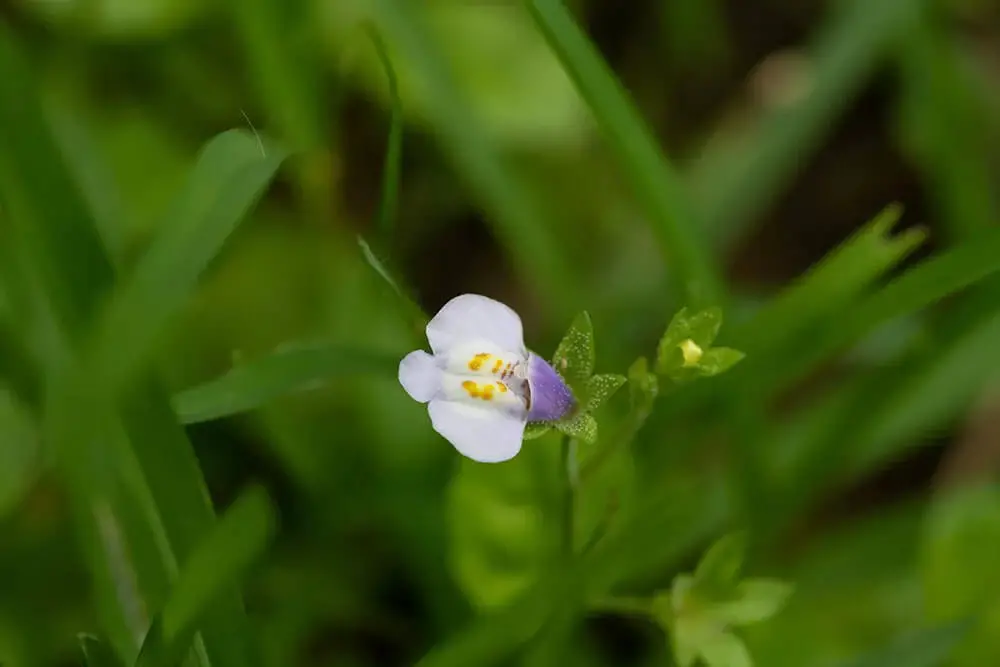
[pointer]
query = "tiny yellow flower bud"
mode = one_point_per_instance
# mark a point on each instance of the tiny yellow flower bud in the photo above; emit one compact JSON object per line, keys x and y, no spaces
{"x":692,"y":353}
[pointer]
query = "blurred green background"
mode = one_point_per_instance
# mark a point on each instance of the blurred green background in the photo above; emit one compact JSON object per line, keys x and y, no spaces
{"x":858,"y":442}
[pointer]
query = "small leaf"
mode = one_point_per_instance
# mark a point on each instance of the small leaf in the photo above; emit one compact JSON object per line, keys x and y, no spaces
{"x":643,"y":385}
{"x":755,"y":600}
{"x":97,"y":653}
{"x":719,"y":569}
{"x":237,"y":540}
{"x":536,"y":430}
{"x":701,"y":328}
{"x":602,"y":387}
{"x":686,"y":638}
{"x":574,"y":357}
{"x":583,"y":427}
{"x":719,"y":360}
{"x":725,"y":649}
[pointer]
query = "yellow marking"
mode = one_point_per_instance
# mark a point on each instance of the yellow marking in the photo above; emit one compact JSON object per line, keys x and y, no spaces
{"x":497,"y":365}
{"x":486,"y":393}
{"x":477,"y":361}
{"x":502,"y":387}
{"x":691,"y":353}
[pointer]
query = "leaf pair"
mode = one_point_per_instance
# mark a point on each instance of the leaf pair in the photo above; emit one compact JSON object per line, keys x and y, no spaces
{"x":574,"y":360}
{"x":700,"y":609}
{"x":685,"y":352}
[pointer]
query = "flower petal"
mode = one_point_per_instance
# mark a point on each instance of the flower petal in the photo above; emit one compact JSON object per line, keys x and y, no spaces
{"x":483,"y":434}
{"x":420,"y":376}
{"x":471,"y":317}
{"x":551,"y":399}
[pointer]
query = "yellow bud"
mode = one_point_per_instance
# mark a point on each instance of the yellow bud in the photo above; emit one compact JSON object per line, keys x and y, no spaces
{"x":692,"y":353}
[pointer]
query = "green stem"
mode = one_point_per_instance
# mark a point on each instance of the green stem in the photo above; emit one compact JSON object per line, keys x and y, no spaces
{"x":570,"y":470}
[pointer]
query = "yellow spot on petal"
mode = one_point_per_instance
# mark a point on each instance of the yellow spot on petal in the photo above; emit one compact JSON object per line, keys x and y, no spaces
{"x":477,"y":361}
{"x":497,"y":365}
{"x":487,"y":394}
{"x":502,"y":387}
{"x":692,"y":353}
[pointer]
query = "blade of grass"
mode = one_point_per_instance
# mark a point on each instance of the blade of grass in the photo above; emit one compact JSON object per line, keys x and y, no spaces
{"x":925,"y":647}
{"x":653,"y":178}
{"x":944,"y":119}
{"x":221,"y":560}
{"x":18,"y":368}
{"x":386,"y":217}
{"x":295,"y":368}
{"x":517,"y":218}
{"x":97,"y":653}
{"x":739,"y":180}
{"x":135,"y":489}
{"x":228,"y":178}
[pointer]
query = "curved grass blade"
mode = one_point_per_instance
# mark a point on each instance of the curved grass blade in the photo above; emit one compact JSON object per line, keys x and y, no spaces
{"x":388,"y":202}
{"x":517,"y":216}
{"x":97,"y":653}
{"x":296,"y":368}
{"x":736,"y":182}
{"x":228,"y":178}
{"x":222,"y":559}
{"x":652,"y":177}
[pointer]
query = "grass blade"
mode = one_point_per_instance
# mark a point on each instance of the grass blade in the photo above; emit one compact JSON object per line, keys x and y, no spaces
{"x":926,"y":647}
{"x":519,"y":222}
{"x":228,"y":178}
{"x":220,"y":561}
{"x":97,"y":653}
{"x":654,"y":180}
{"x":295,"y":368}
{"x":735,"y":185}
{"x":386,"y":217}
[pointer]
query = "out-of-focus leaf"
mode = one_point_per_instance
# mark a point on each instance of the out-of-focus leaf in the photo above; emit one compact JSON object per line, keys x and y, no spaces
{"x":651,"y":176}
{"x":519,"y":221}
{"x":97,"y":653}
{"x":536,"y":430}
{"x":391,"y":167}
{"x":575,"y":356}
{"x":719,"y":360}
{"x":503,"y":524}
{"x":18,"y":369}
{"x":222,"y":559}
{"x":582,"y":426}
{"x":20,"y":453}
{"x":738,"y":180}
{"x":926,"y":647}
{"x":754,"y":600}
{"x":530,"y":101}
{"x":602,"y":387}
{"x":228,"y":178}
{"x":121,"y":20}
{"x":293,"y":368}
{"x":719,"y":569}
{"x":724,"y":649}
{"x":958,"y":567}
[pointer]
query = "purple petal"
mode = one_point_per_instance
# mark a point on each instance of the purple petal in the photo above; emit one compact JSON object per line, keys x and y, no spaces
{"x":551,"y":399}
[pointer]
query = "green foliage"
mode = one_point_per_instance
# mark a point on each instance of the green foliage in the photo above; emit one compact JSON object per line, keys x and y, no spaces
{"x":685,"y":351}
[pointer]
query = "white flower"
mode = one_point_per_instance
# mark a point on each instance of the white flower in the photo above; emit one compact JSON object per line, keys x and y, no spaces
{"x":481,"y":384}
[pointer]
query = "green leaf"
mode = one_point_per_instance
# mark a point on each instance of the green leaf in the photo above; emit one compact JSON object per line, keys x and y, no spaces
{"x":701,"y":328}
{"x":414,"y":313}
{"x":392,"y":165}
{"x":925,"y":647}
{"x":520,"y":223}
{"x":755,"y":600}
{"x":719,"y":569}
{"x":654,"y":180}
{"x":229,"y":176}
{"x":574,"y":357}
{"x":724,"y":649}
{"x":738,"y":178}
{"x":602,"y":387}
{"x":296,"y":367}
{"x":536,"y":430}
{"x":581,"y":426}
{"x":223,"y":558}
{"x":687,"y":635}
{"x":97,"y":653}
{"x":718,"y":360}
{"x":502,"y":525}
{"x":958,"y":567}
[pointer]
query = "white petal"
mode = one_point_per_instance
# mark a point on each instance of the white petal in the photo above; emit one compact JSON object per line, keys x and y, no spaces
{"x":420,"y":376}
{"x":483,"y":434}
{"x":471,"y":317}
